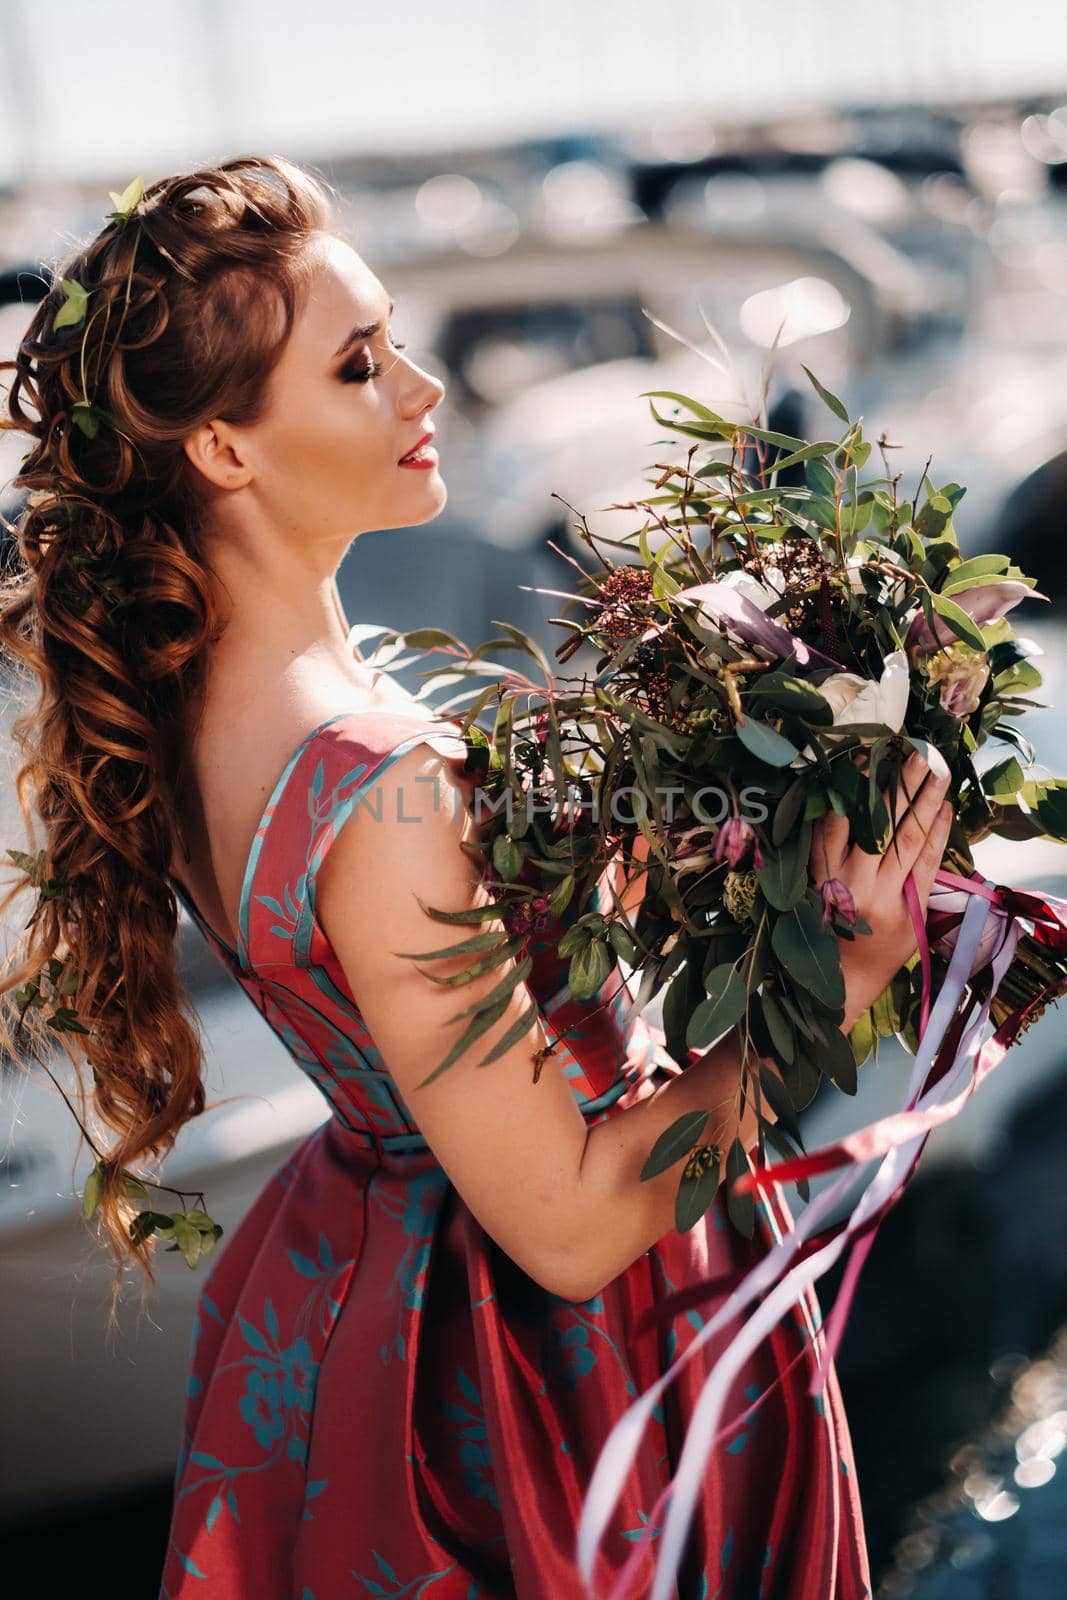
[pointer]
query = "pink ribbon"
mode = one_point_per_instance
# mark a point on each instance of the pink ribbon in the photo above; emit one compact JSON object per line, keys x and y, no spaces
{"x":948,"y":1043}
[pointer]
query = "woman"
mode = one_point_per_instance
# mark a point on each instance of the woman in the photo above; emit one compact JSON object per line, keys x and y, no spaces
{"x":409,"y":1353}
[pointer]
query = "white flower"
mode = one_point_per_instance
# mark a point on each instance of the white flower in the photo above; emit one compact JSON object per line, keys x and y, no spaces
{"x":855,"y":699}
{"x":867,"y":552}
{"x":761,"y":594}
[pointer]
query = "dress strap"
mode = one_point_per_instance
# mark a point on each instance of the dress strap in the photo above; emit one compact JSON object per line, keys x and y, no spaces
{"x":329,"y":778}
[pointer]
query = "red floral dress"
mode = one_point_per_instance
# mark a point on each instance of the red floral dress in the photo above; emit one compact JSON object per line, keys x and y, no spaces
{"x":380,"y":1402}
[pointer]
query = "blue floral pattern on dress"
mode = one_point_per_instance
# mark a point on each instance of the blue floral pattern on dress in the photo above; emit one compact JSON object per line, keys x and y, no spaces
{"x":349,"y":1412}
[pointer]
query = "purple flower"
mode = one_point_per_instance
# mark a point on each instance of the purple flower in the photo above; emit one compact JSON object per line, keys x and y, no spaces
{"x":733,"y":841}
{"x":837,"y":897}
{"x":724,"y":604}
{"x":985,"y":603}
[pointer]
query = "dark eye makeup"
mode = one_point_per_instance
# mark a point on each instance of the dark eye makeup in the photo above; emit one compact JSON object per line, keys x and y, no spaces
{"x":360,"y":374}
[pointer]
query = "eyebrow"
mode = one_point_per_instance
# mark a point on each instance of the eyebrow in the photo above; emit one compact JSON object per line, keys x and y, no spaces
{"x":367,"y":331}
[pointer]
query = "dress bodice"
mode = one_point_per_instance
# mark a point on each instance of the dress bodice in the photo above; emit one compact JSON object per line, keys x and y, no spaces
{"x":286,"y":965}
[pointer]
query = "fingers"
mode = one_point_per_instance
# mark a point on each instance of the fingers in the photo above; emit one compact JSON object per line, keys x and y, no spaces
{"x":924,"y":867}
{"x":915,"y":811}
{"x":829,"y":846}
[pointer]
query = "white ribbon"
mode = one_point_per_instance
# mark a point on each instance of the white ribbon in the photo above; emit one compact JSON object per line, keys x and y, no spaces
{"x":617,"y":1456}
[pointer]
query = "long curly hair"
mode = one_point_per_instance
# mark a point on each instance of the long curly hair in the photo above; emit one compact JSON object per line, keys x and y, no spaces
{"x":107,"y":608}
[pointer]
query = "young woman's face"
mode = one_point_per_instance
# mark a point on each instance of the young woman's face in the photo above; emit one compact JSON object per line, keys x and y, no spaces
{"x":342,"y":407}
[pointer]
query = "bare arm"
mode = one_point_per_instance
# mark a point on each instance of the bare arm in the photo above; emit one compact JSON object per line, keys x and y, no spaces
{"x":565,"y":1202}
{"x":633,"y":1214}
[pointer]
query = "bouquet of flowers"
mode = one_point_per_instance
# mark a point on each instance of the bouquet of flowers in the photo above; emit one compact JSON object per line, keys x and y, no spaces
{"x":762,"y":651}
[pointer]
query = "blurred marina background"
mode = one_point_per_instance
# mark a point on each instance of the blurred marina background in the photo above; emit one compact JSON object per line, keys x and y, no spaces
{"x":560,"y":199}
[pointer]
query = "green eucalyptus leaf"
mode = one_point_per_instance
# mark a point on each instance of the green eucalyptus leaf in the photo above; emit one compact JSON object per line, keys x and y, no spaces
{"x":831,"y":400}
{"x":200,"y":1220}
{"x":480,"y":941}
{"x":820,"y":479}
{"x":815,"y":805}
{"x":765,"y":743}
{"x":142,"y":1226}
{"x":507,"y":857}
{"x":189,"y":1240}
{"x":792,"y":696}
{"x":673,"y":1143}
{"x":694,"y":406}
{"x":979,"y":569}
{"x":820,"y":449}
{"x":472,"y":914}
{"x":809,"y":952}
{"x":518,"y":1030}
{"x":783,"y":876}
{"x":502,"y":990}
{"x":85,"y":417}
{"x":727,"y":998}
{"x":589,"y":968}
{"x":837,"y":1061}
{"x":560,"y":898}
{"x":428,"y":639}
{"x":1006,"y":778}
{"x":789,"y":810}
{"x":64,"y":1020}
{"x":684,"y":991}
{"x":522,"y":641}
{"x":776,"y":1094}
{"x":478,"y":1025}
{"x":1051,"y":809}
{"x":697,"y":1187}
{"x":485,"y":963}
{"x":778,"y":1026}
{"x":802,"y":1078}
{"x":741,"y":1207}
{"x":863,"y":1038}
{"x":777,"y":1137}
{"x":1018,"y":678}
{"x":622,"y":943}
{"x":958,"y":620}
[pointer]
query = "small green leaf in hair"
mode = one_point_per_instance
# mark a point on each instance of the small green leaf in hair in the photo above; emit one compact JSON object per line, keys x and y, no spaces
{"x":127,"y":202}
{"x":72,"y":311}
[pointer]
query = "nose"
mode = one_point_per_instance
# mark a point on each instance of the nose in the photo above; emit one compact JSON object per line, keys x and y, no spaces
{"x":429,"y":391}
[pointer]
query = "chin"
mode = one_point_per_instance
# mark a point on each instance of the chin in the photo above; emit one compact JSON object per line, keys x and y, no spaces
{"x":437,"y":497}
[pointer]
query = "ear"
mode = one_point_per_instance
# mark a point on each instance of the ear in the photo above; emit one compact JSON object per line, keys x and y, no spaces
{"x":217,"y":451}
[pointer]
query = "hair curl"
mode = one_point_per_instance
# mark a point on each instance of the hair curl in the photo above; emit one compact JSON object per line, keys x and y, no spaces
{"x":107,"y":609}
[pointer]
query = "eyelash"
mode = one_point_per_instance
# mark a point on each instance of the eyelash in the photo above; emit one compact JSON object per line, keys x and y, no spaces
{"x":375,"y":370}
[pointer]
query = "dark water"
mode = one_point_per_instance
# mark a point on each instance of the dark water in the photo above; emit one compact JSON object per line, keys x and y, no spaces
{"x":954,"y":1371}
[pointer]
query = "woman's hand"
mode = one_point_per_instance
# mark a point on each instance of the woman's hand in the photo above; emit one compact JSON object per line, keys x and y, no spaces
{"x":869,"y":962}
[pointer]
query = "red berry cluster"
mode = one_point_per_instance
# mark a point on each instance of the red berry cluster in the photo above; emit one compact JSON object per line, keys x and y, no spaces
{"x":519,"y":920}
{"x":528,"y":918}
{"x":624,"y":592}
{"x":801,"y":562}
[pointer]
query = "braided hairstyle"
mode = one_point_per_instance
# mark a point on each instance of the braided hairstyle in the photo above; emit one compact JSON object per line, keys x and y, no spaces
{"x":175,"y":313}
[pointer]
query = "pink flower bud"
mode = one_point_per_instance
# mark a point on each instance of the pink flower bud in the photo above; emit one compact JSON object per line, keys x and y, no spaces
{"x":984,"y":603}
{"x":837,"y":896}
{"x":734,"y":840}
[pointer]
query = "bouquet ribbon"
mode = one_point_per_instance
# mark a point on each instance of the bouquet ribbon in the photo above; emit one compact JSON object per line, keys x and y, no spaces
{"x":981,"y":924}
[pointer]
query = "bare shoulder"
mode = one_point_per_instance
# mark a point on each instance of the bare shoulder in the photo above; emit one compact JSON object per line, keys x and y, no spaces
{"x":412,"y":835}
